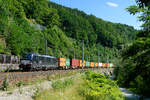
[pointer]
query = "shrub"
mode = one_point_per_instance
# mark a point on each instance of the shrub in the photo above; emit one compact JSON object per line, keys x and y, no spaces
{"x":99,"y":87}
{"x":37,"y":93}
{"x":58,"y":85}
{"x":19,"y":84}
{"x":5,"y":84}
{"x":62,"y":84}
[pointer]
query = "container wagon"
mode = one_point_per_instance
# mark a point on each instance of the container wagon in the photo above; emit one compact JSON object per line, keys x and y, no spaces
{"x":82,"y":65}
{"x":75,"y":63}
{"x":9,"y":62}
{"x":96,"y":64}
{"x":62,"y":63}
{"x":91,"y":64}
{"x":87,"y":64}
{"x":111,"y":65}
{"x":67,"y":63}
{"x":99,"y":64}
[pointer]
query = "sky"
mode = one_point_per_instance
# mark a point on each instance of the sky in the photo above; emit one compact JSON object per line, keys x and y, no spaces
{"x":109,"y":10}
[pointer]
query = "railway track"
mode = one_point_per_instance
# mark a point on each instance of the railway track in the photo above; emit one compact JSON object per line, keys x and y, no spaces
{"x":15,"y":77}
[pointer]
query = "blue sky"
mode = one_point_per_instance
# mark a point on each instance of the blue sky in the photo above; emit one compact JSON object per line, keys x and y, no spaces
{"x":109,"y":10}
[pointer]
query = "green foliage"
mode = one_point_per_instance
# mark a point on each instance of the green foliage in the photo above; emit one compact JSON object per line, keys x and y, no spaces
{"x":62,"y":84}
{"x":19,"y":84}
{"x":134,"y":68}
{"x":2,"y":46}
{"x":133,"y":9}
{"x":37,"y":93}
{"x":5,"y":85}
{"x":64,"y":29}
{"x":99,"y":87}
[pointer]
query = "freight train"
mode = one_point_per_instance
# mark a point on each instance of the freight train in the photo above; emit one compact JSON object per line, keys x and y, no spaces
{"x":43,"y":62}
{"x":33,"y":61}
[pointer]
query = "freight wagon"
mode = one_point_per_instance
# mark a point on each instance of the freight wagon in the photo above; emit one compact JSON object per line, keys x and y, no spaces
{"x":96,"y":64}
{"x":99,"y":64}
{"x":87,"y":65}
{"x":67,"y":63}
{"x":63,"y":63}
{"x":91,"y":64}
{"x":9,"y":62}
{"x":75,"y":63}
{"x":82,"y":65}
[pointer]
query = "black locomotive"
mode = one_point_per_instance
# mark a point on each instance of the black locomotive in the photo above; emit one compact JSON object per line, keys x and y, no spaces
{"x":38,"y":62}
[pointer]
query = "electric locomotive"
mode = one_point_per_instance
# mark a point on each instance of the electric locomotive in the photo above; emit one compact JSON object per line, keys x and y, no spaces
{"x":38,"y":62}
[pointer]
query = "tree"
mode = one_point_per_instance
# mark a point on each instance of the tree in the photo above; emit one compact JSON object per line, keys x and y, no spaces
{"x":143,"y":3}
{"x":136,"y":57}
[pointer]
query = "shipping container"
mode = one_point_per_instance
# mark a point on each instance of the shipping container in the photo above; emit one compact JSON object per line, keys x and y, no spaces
{"x":68,"y":62}
{"x":87,"y":64}
{"x":99,"y":64}
{"x":111,"y":65}
{"x":91,"y":64}
{"x":107,"y":65}
{"x":103,"y":65}
{"x":75,"y":63}
{"x":96,"y":64}
{"x":61,"y":62}
{"x":82,"y":64}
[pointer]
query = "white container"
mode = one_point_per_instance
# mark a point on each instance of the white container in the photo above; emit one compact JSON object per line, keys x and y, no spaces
{"x":99,"y":64}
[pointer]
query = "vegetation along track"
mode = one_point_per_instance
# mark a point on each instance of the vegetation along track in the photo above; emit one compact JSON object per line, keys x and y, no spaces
{"x":15,"y":77}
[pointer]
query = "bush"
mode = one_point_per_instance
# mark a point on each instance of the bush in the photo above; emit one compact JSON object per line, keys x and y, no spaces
{"x":99,"y":87}
{"x":62,"y":84}
{"x":5,"y":84}
{"x":37,"y":93}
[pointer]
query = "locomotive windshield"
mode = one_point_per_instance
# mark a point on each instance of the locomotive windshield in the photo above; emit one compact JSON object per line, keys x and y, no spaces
{"x":27,"y":57}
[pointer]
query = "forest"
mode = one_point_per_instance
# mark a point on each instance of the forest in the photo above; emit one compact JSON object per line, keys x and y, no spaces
{"x":26,"y":24}
{"x":133,"y":69}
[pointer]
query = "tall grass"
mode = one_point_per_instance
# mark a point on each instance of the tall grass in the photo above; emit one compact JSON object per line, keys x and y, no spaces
{"x":5,"y":85}
{"x":90,"y":86}
{"x":62,"y":84}
{"x":62,"y":90}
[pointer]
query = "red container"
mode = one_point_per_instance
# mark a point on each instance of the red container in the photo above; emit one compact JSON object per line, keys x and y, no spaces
{"x":106,"y":65}
{"x":75,"y":63}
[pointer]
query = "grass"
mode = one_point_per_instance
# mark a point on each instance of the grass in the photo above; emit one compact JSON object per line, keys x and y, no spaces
{"x":9,"y":87}
{"x":90,"y":86}
{"x":62,"y":90}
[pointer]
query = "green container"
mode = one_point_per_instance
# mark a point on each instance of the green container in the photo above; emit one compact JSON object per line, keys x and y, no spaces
{"x":67,"y":62}
{"x":94,"y":64}
{"x":111,"y":65}
{"x":87,"y":64}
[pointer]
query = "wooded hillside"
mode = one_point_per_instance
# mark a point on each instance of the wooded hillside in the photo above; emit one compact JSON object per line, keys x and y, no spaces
{"x":64,"y":29}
